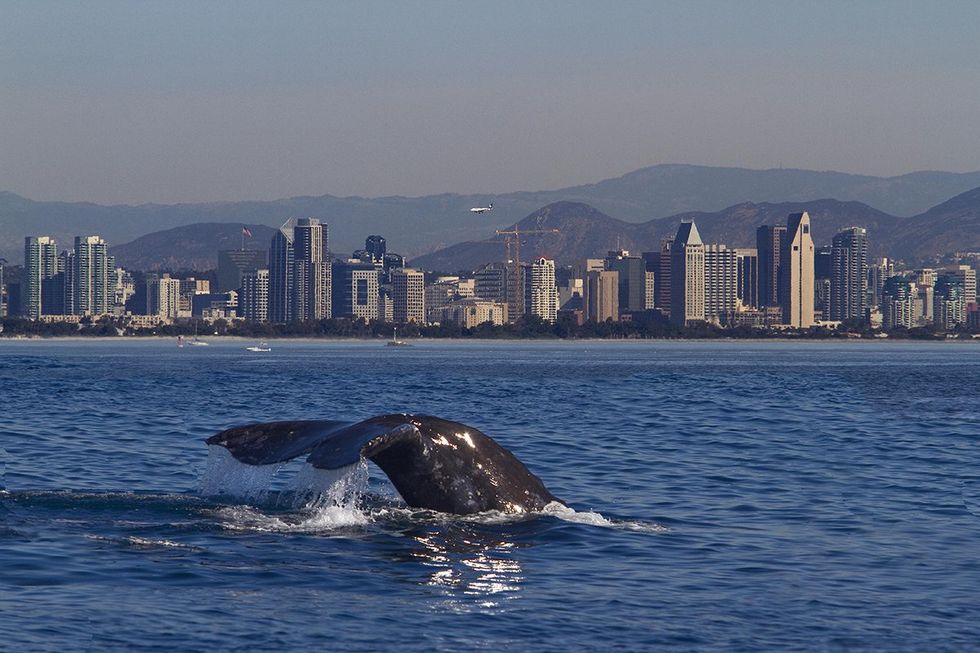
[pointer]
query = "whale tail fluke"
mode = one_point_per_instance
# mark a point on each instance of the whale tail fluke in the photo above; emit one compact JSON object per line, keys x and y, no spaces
{"x":433,"y":463}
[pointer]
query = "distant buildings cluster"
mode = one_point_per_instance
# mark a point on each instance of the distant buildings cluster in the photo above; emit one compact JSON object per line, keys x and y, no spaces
{"x":784,"y":282}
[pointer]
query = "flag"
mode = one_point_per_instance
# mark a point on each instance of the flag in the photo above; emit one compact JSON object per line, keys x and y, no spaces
{"x":246,"y":232}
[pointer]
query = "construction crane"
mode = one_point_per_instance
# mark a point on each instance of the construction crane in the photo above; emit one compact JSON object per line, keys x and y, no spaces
{"x":512,"y":246}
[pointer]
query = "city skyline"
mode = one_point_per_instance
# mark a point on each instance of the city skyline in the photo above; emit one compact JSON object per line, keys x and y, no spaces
{"x":301,"y":280}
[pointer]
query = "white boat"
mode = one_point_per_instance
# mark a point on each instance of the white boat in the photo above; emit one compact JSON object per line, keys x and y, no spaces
{"x":197,"y":343}
{"x":259,"y":347}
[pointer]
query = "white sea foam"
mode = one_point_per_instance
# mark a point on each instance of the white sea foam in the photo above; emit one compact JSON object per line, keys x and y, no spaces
{"x":327,"y":518}
{"x":225,"y":476}
{"x":591,"y":518}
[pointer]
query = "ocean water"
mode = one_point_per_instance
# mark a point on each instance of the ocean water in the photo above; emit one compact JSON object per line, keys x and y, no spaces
{"x":724,"y":496}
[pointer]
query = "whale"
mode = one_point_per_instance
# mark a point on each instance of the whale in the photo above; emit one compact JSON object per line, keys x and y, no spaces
{"x":433,"y":463}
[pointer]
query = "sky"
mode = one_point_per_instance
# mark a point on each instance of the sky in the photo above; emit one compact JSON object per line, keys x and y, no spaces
{"x":188,"y":101}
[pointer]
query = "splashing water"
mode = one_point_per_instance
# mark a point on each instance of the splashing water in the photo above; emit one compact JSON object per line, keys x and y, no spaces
{"x":321,"y":488}
{"x":324,"y":499}
{"x":225,"y":476}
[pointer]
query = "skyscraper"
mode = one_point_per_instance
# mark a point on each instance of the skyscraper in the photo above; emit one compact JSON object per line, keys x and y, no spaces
{"x":968,"y":279}
{"x":90,"y":285}
{"x":898,"y":302}
{"x":720,"y":283}
{"x":601,"y":296}
{"x":796,"y":270}
{"x":687,"y":276}
{"x":408,"y":295}
{"x":299,"y":272}
{"x":849,"y":274}
{"x":878,"y":271}
{"x":40,"y":263}
{"x":949,"y":307}
{"x":661,"y":280}
{"x":491,"y":282}
{"x":748,"y":276}
{"x":377,"y":248}
{"x":769,"y":247}
{"x":355,"y":290}
{"x":163,"y":296}
{"x":632,"y":279}
{"x":254,"y":300}
{"x":541,"y":292}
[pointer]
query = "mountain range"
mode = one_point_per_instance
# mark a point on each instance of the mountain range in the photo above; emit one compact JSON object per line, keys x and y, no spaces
{"x":586,"y":232}
{"x":420,"y":225}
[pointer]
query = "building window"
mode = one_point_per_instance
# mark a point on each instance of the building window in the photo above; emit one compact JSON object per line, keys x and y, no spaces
{"x":362,"y":292}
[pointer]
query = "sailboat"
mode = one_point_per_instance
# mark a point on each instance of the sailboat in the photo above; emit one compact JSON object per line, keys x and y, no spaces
{"x":395,"y":342}
{"x":197,"y":342}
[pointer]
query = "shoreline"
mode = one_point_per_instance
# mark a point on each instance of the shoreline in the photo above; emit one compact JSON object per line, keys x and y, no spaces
{"x":419,"y":341}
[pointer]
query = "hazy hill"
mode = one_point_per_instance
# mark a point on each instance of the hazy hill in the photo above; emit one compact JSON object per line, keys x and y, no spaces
{"x":192,"y":247}
{"x":418,"y":225}
{"x":951,"y":226}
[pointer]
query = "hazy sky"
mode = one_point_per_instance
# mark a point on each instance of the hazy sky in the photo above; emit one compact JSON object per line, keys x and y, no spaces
{"x":177,"y":101}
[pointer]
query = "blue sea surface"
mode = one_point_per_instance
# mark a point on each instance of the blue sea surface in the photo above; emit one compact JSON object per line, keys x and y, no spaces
{"x":727,"y":496}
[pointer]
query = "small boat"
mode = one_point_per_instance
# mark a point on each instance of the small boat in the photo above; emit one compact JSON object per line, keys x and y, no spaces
{"x":259,"y":347}
{"x":395,"y":342}
{"x":197,"y":343}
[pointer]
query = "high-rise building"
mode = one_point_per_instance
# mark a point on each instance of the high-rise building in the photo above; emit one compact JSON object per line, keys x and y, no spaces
{"x":299,"y":272}
{"x":849,"y":274}
{"x":254,"y":301}
{"x":377,"y":248}
{"x":601,"y":295}
{"x":747,"y":291}
{"x":541,"y":291}
{"x":967,"y":277}
{"x":769,"y":248}
{"x":57,"y":296}
{"x":312,"y":270}
{"x":898,"y":302}
{"x":40,"y":263}
{"x":880,"y":270}
{"x":281,"y":308}
{"x":662,"y":281}
{"x":796,"y":270}
{"x":822,"y":257}
{"x":163,"y":296}
{"x":123,"y":287}
{"x":91,"y":283}
{"x":408,"y":295}
{"x":3,"y":291}
{"x":632,"y":279}
{"x":720,"y":283}
{"x":491,"y":282}
{"x":687,"y":276}
{"x":235,"y":263}
{"x":949,"y":307}
{"x":355,"y":290}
